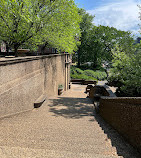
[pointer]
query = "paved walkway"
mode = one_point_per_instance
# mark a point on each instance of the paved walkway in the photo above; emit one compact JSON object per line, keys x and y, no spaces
{"x":63,"y":127}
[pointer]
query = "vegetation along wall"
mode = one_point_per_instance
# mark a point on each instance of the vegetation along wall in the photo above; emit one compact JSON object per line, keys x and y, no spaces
{"x":24,"y":80}
{"x":124,"y":114}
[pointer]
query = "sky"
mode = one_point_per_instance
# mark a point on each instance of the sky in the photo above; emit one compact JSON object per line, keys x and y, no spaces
{"x":121,"y":14}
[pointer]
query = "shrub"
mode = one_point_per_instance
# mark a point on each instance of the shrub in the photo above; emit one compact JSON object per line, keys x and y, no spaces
{"x":79,"y":71}
{"x":100,"y":75}
{"x":60,"y":86}
{"x":82,"y":76}
{"x":126,"y":73}
{"x":73,"y":70}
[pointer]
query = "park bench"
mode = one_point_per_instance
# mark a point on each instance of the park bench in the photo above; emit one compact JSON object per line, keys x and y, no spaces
{"x":88,"y":82}
{"x":77,"y":81}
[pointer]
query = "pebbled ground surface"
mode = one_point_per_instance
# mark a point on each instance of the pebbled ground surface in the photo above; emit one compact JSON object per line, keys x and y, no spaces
{"x":63,"y":127}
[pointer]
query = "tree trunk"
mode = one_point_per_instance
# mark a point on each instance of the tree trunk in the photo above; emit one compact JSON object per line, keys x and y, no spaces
{"x":7,"y":50}
{"x":95,"y":59}
{"x":94,"y":65}
{"x":106,"y":72}
{"x":78,"y":64}
{"x":95,"y":62}
{"x":43,"y":47}
{"x":16,"y":50}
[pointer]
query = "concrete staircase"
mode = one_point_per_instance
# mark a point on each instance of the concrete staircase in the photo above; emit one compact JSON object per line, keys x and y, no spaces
{"x":17,"y":152}
{"x":63,"y":127}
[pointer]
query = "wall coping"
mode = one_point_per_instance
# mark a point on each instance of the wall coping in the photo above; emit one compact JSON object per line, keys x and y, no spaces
{"x":8,"y":61}
{"x":123,"y":100}
{"x":116,"y":98}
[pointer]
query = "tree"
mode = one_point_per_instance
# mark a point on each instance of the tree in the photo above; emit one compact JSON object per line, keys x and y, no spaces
{"x":102,"y":40}
{"x":85,"y":26}
{"x":28,"y":21}
{"x":98,"y":41}
{"x":126,"y":72}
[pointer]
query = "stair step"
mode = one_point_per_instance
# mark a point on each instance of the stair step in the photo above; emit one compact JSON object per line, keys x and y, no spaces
{"x":18,"y":152}
{"x":77,"y":147}
{"x":40,"y":101}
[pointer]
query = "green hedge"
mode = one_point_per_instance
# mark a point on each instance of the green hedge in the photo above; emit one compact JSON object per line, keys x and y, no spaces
{"x":82,"y":76}
{"x":99,"y":75}
{"x":77,"y":73}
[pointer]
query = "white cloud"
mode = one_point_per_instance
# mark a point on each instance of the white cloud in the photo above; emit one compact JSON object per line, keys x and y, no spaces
{"x":123,"y":15}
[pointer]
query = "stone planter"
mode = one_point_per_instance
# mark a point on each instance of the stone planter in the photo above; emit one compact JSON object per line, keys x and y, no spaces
{"x":22,"y":52}
{"x":69,"y":85}
{"x":60,"y":91}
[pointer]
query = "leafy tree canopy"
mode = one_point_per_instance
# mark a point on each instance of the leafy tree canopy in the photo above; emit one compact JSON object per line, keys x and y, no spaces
{"x":98,"y":41}
{"x":126,"y":72}
{"x":102,"y":40}
{"x":36,"y":22}
{"x":85,"y":26}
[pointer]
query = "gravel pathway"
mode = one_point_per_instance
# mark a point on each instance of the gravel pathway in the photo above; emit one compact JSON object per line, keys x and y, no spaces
{"x":63,"y":127}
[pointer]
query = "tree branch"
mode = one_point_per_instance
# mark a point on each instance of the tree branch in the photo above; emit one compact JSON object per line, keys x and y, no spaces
{"x":5,"y":22}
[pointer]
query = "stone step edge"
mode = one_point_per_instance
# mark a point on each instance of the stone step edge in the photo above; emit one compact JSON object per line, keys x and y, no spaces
{"x":40,"y":101}
{"x":10,"y":151}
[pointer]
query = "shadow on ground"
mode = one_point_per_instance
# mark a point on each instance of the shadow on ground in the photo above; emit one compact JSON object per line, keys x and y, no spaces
{"x":123,"y":148}
{"x":71,"y":107}
{"x":76,"y":108}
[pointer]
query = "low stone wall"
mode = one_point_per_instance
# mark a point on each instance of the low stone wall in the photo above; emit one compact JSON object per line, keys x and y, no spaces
{"x":23,"y":80}
{"x":124,"y":114}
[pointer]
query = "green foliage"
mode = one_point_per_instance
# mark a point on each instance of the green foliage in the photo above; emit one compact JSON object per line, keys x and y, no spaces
{"x":85,"y":26}
{"x":77,"y":73}
{"x":99,"y":75}
{"x":103,"y":40}
{"x":37,"y":22}
{"x":97,"y":42}
{"x":126,"y":72}
{"x":60,"y":86}
{"x":75,"y":70}
{"x":82,"y":76}
{"x":72,"y":70}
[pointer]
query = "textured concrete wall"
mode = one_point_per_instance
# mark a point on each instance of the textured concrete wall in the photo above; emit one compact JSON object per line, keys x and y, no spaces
{"x":124,"y":114}
{"x":23,"y":80}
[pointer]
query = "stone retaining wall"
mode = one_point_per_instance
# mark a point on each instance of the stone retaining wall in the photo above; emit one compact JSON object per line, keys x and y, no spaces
{"x":124,"y":114}
{"x":23,"y":80}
